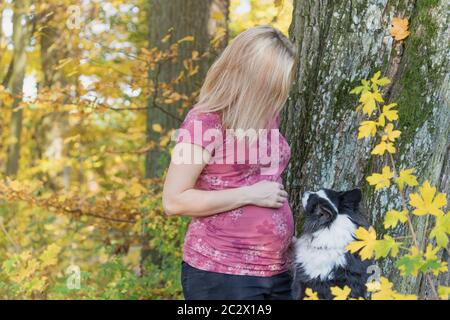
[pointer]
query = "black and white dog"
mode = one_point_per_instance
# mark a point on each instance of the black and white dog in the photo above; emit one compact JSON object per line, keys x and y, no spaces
{"x":321,"y":258}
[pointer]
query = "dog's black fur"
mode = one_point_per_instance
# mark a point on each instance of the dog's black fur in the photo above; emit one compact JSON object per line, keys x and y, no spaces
{"x":322,"y":210}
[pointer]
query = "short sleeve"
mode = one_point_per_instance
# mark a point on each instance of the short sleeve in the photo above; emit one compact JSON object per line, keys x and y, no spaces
{"x":201,"y":128}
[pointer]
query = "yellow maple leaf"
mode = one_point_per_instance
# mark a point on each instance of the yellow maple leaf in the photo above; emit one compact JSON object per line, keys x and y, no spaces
{"x":390,"y":114}
{"x":386,"y":246}
{"x":340,"y":294}
{"x":381,"y":180}
{"x":390,"y":134}
{"x":430,"y":255}
{"x":373,"y":286}
{"x":377,"y":81}
{"x":406,"y":177}
{"x":393,"y":217}
{"x":399,"y":28}
{"x":384,"y":291}
{"x":367,"y":129}
{"x":369,"y":100}
{"x":366,"y":242}
{"x":441,"y":230}
{"x":382,"y":147}
{"x":310,"y":295}
{"x":425,"y":201}
{"x":444,"y":292}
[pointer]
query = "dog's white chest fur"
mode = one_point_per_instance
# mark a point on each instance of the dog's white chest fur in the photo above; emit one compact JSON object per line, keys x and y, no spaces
{"x":320,"y":252}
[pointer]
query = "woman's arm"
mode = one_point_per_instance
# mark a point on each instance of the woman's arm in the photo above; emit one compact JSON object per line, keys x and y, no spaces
{"x":180,"y":197}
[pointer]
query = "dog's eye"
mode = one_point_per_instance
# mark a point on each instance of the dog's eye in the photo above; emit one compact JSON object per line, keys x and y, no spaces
{"x":328,"y":211}
{"x":324,"y":211}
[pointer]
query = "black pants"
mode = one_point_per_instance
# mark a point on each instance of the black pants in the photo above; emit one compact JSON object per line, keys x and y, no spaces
{"x":205,"y":285}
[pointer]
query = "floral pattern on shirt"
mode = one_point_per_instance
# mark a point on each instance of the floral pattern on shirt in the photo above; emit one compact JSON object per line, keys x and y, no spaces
{"x":249,"y":240}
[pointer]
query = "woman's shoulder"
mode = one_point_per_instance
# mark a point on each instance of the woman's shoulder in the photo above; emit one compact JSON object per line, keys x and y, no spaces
{"x":199,"y":113}
{"x":195,"y":124}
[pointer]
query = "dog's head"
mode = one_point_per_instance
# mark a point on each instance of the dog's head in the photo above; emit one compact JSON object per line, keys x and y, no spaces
{"x":322,"y":208}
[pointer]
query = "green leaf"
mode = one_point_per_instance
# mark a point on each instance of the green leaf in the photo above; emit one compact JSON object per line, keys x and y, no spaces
{"x":440,"y":230}
{"x":432,"y":262}
{"x":386,"y":245}
{"x":410,"y":264}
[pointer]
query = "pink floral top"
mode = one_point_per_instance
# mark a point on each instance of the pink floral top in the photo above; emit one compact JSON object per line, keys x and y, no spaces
{"x":249,"y":240}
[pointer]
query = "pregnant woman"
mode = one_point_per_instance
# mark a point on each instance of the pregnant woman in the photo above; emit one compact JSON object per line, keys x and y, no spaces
{"x":226,"y":171}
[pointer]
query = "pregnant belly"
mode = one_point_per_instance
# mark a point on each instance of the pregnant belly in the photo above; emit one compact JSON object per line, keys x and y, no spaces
{"x":252,"y":227}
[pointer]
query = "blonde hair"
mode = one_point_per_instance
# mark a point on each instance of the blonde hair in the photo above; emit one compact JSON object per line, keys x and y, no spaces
{"x":250,"y":81}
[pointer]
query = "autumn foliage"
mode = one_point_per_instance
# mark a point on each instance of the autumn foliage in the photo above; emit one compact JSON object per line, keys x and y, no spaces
{"x":412,"y":258}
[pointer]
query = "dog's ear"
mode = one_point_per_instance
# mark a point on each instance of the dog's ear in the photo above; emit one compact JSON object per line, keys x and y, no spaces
{"x":351,"y":197}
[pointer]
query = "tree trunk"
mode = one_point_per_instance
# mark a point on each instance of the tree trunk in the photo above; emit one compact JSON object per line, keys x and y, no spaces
{"x":339,"y":43}
{"x":218,"y":22}
{"x":54,"y":49}
{"x":187,"y":18}
{"x":15,"y":83}
{"x":2,"y":45}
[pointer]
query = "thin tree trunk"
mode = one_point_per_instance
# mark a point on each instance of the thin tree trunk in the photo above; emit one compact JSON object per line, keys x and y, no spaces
{"x":54,"y":48}
{"x":218,"y":22}
{"x":15,"y":83}
{"x":183,"y":18}
{"x":339,"y":43}
{"x":2,"y":5}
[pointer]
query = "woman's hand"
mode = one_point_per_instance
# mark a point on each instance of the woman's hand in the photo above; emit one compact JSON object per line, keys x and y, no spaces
{"x":267,"y":194}
{"x":180,"y":197}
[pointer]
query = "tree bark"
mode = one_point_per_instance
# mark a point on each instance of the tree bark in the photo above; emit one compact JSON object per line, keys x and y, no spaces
{"x":218,"y":21}
{"x":15,"y":83}
{"x":2,"y":45}
{"x":54,"y":48}
{"x":183,"y":18}
{"x":339,"y":43}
